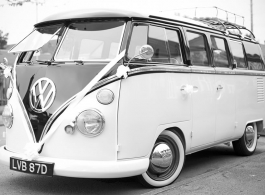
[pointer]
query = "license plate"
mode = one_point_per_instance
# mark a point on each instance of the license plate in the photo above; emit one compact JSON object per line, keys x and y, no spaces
{"x":33,"y":167}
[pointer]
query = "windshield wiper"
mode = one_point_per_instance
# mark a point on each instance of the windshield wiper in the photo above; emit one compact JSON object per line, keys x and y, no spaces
{"x":79,"y":62}
{"x":49,"y":62}
{"x":28,"y":62}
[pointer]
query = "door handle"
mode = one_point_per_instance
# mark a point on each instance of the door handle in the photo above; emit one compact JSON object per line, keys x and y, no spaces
{"x":219,"y":87}
{"x":188,"y":89}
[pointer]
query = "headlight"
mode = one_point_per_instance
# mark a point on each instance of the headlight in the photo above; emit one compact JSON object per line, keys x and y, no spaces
{"x":7,"y":116}
{"x":105,"y":96}
{"x":90,"y":123}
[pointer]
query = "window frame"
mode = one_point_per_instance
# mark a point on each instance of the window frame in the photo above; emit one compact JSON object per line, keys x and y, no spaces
{"x":207,"y":46}
{"x":246,"y":58}
{"x":244,"y":53}
{"x":227,"y":48}
{"x":67,"y":27}
{"x":180,"y":36}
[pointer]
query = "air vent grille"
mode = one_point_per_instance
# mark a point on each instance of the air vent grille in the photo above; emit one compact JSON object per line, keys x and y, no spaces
{"x":260,"y":90}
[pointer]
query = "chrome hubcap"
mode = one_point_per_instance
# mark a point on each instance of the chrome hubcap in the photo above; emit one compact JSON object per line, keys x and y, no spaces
{"x":250,"y":136}
{"x":161,"y":158}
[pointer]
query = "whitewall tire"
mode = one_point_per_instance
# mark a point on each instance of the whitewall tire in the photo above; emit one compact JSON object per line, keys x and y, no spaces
{"x":166,"y":160}
{"x":247,"y":144}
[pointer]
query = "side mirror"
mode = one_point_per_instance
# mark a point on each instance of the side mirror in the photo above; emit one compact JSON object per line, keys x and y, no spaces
{"x":146,"y":52}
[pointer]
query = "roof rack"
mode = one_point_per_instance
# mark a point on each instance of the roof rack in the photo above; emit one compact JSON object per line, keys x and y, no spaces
{"x":215,"y":22}
{"x":228,"y":27}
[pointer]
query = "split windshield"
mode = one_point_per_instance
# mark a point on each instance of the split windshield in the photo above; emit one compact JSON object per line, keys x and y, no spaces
{"x":43,"y":40}
{"x":91,"y":41}
{"x":83,"y":41}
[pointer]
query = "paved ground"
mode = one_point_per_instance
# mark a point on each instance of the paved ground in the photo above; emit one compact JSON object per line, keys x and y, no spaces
{"x":244,"y":177}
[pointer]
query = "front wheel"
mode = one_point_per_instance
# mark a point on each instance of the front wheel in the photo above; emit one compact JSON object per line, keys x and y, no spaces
{"x":247,"y":144}
{"x":166,"y":160}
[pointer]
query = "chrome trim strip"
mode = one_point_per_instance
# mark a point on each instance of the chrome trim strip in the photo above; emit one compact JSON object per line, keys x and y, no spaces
{"x":228,"y":72}
{"x":26,"y":117}
{"x":176,"y":69}
{"x":60,"y":43}
{"x":203,"y":71}
{"x":250,"y":73}
{"x":149,"y":69}
{"x":104,"y":82}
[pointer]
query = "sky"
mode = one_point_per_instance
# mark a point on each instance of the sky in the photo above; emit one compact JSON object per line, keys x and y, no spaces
{"x":18,"y":21}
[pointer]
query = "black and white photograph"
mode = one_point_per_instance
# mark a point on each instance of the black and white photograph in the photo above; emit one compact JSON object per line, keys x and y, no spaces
{"x":132,"y":97}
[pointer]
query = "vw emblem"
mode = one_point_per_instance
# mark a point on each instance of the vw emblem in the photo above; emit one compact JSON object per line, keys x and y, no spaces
{"x":42,"y":94}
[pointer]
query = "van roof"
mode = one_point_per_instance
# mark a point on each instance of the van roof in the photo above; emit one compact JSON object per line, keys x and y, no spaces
{"x":123,"y":13}
{"x":115,"y":13}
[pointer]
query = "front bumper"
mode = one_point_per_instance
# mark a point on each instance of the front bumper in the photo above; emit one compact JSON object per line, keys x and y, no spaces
{"x":87,"y":169}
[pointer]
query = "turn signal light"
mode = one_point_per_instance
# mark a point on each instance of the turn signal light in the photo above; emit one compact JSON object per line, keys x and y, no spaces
{"x":105,"y":96}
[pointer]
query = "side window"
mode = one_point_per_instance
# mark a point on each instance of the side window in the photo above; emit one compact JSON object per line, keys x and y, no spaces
{"x":220,"y":56}
{"x":253,"y":56}
{"x":238,"y":53}
{"x":198,"y":52}
{"x":174,"y":46}
{"x":157,"y":39}
{"x":27,"y":56}
{"x":138,"y":39}
{"x":165,"y":43}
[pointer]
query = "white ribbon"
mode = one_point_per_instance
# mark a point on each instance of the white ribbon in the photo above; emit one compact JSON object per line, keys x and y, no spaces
{"x":187,"y":90}
{"x":122,"y":71}
{"x":32,"y":149}
{"x":7,"y":72}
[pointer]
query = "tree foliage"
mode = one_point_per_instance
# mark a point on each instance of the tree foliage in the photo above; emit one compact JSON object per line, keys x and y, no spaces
{"x":3,"y":39}
{"x":21,"y":2}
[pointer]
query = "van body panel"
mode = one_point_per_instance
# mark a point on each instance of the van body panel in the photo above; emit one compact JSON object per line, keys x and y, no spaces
{"x":225,"y":85}
{"x":249,"y":99}
{"x":147,"y":101}
{"x":80,"y":147}
{"x":203,"y":106}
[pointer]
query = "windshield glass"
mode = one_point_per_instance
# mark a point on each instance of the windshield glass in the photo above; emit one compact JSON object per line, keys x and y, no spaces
{"x":45,"y":36}
{"x":88,"y":41}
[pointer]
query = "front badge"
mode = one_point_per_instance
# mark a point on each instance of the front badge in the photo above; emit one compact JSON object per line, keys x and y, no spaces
{"x":42,"y":94}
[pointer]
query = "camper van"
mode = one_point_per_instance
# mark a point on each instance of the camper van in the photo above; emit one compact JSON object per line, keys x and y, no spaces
{"x":117,"y":93}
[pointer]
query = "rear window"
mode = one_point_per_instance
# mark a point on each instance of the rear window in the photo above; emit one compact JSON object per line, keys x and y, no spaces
{"x":238,"y":53}
{"x":253,"y":54}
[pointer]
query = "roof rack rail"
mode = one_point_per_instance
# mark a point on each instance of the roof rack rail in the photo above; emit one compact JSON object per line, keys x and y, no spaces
{"x":215,"y":22}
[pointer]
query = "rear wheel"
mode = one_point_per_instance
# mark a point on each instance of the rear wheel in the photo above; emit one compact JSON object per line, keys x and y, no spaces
{"x":166,"y":160}
{"x":247,"y":144}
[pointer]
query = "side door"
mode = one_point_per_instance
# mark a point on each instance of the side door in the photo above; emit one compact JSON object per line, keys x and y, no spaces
{"x":151,"y":95}
{"x":203,"y":95}
{"x":225,"y":85}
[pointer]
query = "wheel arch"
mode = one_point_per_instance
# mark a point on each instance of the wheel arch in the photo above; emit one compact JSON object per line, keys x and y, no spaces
{"x":257,"y":124}
{"x":178,"y":131}
{"x":183,"y":129}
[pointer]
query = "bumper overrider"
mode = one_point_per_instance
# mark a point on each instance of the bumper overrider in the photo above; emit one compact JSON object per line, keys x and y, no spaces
{"x":86,"y":169}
